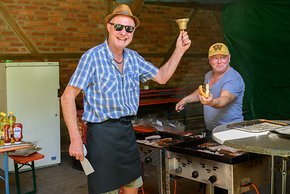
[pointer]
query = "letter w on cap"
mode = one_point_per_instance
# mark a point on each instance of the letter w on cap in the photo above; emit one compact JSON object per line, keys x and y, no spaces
{"x":217,"y":47}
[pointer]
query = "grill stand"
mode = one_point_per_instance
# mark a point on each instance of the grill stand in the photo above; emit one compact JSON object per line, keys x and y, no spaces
{"x":209,"y":189}
{"x":272,"y":144}
{"x":284,"y":175}
{"x":154,"y":156}
{"x":214,"y":173}
{"x":272,"y":174}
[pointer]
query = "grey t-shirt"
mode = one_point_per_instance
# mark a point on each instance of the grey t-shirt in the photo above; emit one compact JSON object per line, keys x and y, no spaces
{"x":234,"y":83}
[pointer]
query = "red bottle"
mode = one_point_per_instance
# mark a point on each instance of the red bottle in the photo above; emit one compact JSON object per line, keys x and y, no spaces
{"x":7,"y":139}
{"x":17,"y":133}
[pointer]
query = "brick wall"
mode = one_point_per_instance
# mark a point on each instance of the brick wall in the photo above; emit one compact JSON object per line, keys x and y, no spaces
{"x":61,"y":30}
{"x":73,"y":26}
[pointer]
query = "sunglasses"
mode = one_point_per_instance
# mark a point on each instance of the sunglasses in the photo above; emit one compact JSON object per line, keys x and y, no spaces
{"x":119,"y":27}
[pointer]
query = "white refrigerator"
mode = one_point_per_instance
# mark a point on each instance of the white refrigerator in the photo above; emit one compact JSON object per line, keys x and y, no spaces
{"x":30,"y":90}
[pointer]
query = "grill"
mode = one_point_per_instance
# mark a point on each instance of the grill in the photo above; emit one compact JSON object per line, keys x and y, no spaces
{"x":207,"y":162}
{"x":151,"y":148}
{"x":260,"y":136}
{"x":208,"y":149}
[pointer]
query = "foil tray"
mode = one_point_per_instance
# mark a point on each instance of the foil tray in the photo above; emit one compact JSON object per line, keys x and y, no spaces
{"x":25,"y":151}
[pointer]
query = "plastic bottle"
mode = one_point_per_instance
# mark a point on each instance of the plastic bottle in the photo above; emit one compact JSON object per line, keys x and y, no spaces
{"x":12,"y":121}
{"x":1,"y":129}
{"x":11,"y":118}
{"x":5,"y":127}
{"x":1,"y":117}
{"x":7,"y":139}
{"x":3,"y":121}
{"x":17,"y":131}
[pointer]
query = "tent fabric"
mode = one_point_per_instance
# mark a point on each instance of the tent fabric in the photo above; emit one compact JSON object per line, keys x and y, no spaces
{"x":258,"y":35}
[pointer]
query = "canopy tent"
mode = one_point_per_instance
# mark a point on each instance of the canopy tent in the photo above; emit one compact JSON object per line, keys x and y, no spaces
{"x":258,"y":35}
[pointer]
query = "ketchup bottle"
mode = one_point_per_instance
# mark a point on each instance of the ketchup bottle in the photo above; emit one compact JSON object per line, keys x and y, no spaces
{"x":17,"y":131}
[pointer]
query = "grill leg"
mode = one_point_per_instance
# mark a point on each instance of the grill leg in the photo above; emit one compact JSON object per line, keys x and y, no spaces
{"x":160,"y":171}
{"x":272,"y":174}
{"x":209,"y":189}
{"x":167,"y":174}
{"x":284,"y":175}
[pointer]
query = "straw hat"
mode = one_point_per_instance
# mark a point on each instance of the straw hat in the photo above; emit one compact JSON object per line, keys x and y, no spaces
{"x":122,"y":10}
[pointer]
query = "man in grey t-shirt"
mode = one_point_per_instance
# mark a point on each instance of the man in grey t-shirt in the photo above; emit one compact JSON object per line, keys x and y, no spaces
{"x":224,"y":104}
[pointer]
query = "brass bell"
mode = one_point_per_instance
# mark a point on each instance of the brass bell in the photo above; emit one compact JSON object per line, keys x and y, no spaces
{"x":182,"y":23}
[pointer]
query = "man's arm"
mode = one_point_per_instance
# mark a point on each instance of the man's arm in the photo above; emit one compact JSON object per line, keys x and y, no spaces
{"x":167,"y":70}
{"x":70,"y":117}
{"x":193,"y":97}
{"x":225,"y":99}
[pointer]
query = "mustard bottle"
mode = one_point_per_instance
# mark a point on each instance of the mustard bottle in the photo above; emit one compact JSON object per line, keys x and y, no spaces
{"x":5,"y":126}
{"x":1,"y":129}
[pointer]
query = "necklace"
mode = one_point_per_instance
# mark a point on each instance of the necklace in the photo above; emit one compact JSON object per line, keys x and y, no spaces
{"x":118,"y":61}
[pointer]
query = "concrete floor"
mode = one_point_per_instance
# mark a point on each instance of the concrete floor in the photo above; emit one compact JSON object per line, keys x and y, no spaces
{"x":66,"y":179}
{"x":57,"y":179}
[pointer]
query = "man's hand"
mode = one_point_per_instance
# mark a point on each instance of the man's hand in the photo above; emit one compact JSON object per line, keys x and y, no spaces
{"x":206,"y":101}
{"x":224,"y":100}
{"x":180,"y":105}
{"x":183,"y":42}
{"x":76,"y":149}
{"x":166,"y":71}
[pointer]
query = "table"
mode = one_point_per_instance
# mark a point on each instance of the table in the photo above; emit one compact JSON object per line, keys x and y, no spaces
{"x":164,"y":96}
{"x":5,"y":149}
{"x":160,"y":96}
{"x":261,"y":143}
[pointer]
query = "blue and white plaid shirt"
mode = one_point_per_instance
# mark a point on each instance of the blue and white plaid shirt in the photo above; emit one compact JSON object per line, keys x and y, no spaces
{"x":108,"y":94}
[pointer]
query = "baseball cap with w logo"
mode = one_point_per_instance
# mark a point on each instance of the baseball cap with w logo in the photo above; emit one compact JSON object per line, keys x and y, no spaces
{"x":218,"y":49}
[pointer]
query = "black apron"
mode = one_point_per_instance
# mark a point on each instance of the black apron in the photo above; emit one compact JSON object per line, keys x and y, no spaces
{"x":113,"y":153}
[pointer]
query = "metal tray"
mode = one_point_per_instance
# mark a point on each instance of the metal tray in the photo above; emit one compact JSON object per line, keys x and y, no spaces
{"x":283,"y":132}
{"x":257,"y":126}
{"x":142,"y":136}
{"x":172,"y":138}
